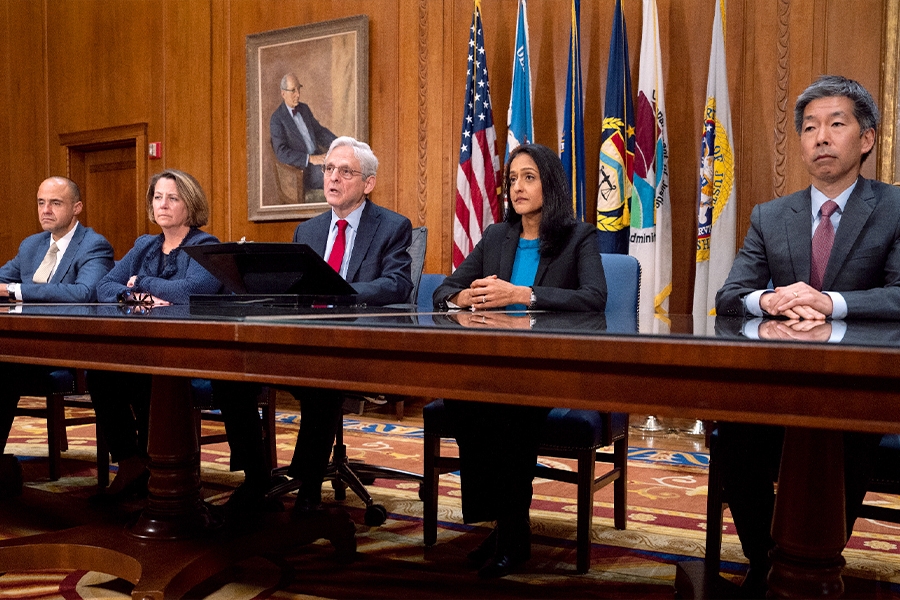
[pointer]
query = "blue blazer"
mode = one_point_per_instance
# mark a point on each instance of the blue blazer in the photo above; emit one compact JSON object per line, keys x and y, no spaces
{"x":573,"y":280}
{"x":172,"y":278}
{"x":288,"y":144}
{"x":380,"y":264}
{"x":87,"y":259}
{"x":864,"y":265}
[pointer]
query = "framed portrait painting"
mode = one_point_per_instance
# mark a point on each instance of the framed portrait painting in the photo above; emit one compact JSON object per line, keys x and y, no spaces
{"x":306,"y":85}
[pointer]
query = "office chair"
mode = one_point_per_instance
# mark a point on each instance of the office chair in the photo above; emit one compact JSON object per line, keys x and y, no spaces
{"x":575,"y":434}
{"x":416,"y":251}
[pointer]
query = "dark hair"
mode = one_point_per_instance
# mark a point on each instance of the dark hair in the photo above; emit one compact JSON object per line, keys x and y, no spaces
{"x":828,"y":86}
{"x":557,"y":215}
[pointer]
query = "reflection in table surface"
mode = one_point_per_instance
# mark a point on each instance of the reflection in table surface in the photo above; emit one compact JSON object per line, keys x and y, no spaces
{"x":860,"y":333}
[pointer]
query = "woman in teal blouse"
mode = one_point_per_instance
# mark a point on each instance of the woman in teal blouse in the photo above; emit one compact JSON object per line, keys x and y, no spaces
{"x":539,"y":258}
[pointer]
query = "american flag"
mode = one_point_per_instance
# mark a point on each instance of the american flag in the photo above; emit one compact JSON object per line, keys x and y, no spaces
{"x":478,"y":176}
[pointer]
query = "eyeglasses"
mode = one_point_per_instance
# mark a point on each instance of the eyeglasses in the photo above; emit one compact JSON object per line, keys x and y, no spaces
{"x":344,"y":172}
{"x":131,"y":298}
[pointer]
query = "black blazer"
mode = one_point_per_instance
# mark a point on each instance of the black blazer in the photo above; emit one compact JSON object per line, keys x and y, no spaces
{"x":572,"y":280}
{"x":865,"y":260}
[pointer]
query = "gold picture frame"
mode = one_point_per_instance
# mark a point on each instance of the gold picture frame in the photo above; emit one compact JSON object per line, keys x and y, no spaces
{"x":331,"y":62}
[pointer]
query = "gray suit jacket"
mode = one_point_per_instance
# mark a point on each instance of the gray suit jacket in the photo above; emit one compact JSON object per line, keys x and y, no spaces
{"x":865,"y":261}
{"x":379,"y":268}
{"x":87,"y":260}
{"x":573,"y":280}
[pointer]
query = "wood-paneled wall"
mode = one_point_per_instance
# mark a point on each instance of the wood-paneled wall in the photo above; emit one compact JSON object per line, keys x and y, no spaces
{"x":179,"y":66}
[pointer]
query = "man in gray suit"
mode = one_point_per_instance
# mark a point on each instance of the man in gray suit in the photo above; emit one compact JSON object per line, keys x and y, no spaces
{"x":367,"y":245}
{"x":298,"y":139}
{"x":829,"y":251}
{"x":62,"y":264}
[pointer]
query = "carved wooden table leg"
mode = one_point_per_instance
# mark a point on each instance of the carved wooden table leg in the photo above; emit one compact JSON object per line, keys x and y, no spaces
{"x":174,"y":507}
{"x":809,"y":528}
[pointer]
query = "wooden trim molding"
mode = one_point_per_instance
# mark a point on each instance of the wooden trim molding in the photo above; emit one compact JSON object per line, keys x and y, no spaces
{"x":890,"y":63}
{"x":781,"y":85}
{"x":422,"y":145}
{"x":111,"y":137}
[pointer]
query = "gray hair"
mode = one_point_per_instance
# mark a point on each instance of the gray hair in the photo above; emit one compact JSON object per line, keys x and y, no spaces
{"x":284,"y":81}
{"x":828,"y":86}
{"x":368,"y":163}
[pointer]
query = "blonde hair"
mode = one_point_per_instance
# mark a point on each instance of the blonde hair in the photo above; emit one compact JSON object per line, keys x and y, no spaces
{"x":189,"y":191}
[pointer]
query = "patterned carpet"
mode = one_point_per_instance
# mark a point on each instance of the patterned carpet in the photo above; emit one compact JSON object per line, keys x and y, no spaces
{"x":666,"y":524}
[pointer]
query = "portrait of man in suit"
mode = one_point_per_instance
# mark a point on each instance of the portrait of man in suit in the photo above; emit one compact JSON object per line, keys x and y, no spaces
{"x":298,"y":139}
{"x":321,"y":73}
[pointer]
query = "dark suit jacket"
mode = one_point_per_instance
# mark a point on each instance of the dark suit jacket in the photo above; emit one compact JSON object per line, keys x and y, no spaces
{"x":865,"y":260}
{"x":288,"y":144}
{"x":87,"y":260}
{"x":379,"y":268}
{"x":572,"y":280}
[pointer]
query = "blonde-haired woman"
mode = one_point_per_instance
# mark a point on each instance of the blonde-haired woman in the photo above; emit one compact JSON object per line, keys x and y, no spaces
{"x":154,"y":271}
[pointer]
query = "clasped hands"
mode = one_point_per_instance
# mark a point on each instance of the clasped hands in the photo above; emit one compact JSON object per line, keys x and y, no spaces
{"x":799,"y":331}
{"x":492,"y":320}
{"x":492,"y":292}
{"x":147,"y":298}
{"x":797,"y":301}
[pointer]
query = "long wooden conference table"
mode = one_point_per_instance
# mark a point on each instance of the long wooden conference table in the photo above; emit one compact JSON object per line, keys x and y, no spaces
{"x":578,"y":361}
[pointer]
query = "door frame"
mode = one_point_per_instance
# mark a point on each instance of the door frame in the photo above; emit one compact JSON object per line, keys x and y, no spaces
{"x":76,"y":144}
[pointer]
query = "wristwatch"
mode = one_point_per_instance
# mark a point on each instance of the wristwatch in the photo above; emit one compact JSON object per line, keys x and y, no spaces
{"x":533,"y":304}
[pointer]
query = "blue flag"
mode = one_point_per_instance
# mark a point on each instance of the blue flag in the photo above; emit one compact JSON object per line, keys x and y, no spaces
{"x":520,"y":124}
{"x":616,"y":145}
{"x":572,"y":145}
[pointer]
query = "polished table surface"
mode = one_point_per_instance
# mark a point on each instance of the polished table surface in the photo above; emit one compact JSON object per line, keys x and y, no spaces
{"x":577,"y":360}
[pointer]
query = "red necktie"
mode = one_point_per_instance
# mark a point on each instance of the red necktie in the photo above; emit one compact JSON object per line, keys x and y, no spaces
{"x":822,"y":241}
{"x":340,"y":242}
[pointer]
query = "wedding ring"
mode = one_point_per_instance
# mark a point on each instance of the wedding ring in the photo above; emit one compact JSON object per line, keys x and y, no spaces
{"x":483,"y":319}
{"x":483,"y":298}
{"x":796,"y":294}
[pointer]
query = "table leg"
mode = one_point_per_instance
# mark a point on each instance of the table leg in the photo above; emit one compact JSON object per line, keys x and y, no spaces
{"x":809,"y":527}
{"x":175,"y":509}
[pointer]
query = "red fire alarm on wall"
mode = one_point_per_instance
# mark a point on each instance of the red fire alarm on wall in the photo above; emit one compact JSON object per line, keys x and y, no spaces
{"x":155,"y":150}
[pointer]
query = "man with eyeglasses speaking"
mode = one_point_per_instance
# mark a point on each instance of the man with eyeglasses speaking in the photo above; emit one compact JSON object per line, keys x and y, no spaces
{"x":367,"y":245}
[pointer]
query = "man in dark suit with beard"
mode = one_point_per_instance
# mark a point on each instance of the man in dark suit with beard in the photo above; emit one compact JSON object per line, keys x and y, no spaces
{"x":298,"y":139}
